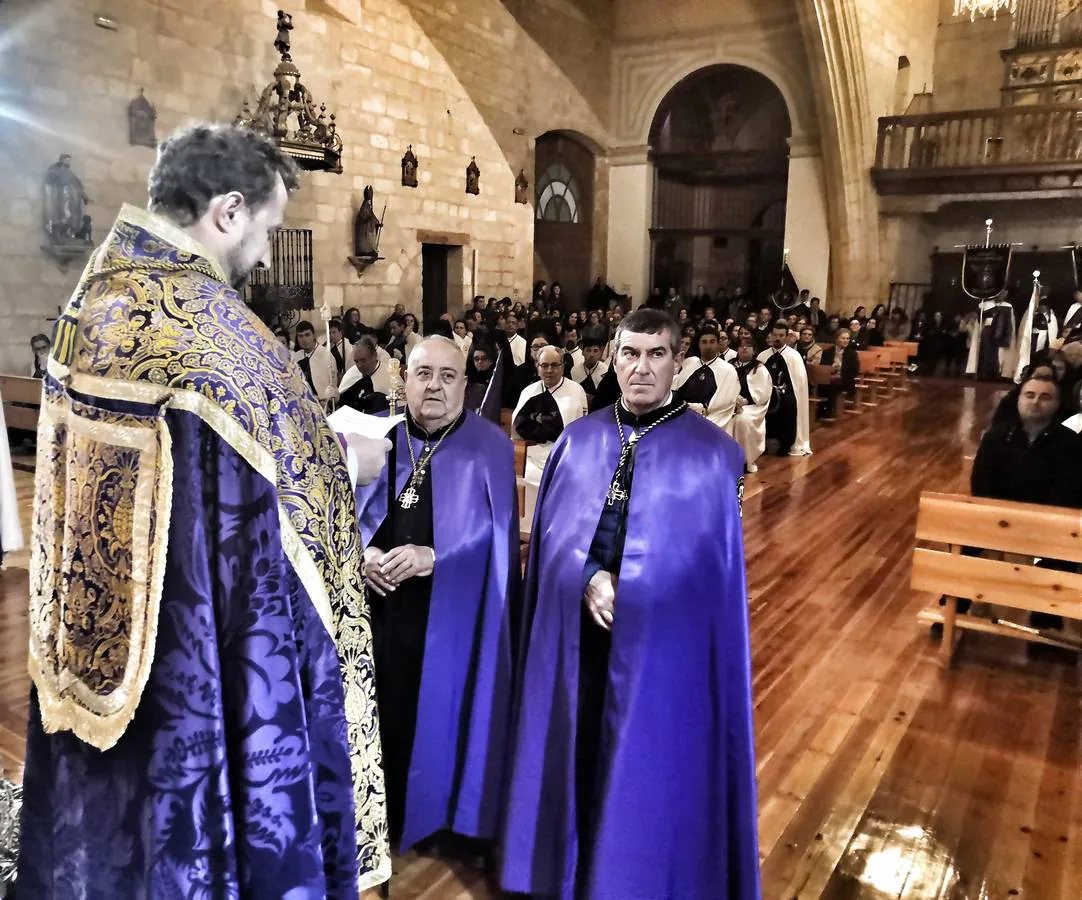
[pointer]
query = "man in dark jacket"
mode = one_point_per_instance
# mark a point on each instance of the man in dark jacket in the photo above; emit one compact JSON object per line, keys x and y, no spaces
{"x":1033,"y":459}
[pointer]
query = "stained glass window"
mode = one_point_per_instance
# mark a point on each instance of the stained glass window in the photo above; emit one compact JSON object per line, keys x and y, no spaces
{"x":557,"y":195}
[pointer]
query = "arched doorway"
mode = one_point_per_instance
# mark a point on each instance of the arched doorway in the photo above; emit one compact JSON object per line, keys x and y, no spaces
{"x":563,"y":214}
{"x":720,"y":147}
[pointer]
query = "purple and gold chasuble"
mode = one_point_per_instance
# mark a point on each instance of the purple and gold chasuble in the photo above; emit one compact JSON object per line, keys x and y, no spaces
{"x":202,"y":716}
{"x":673,"y":798}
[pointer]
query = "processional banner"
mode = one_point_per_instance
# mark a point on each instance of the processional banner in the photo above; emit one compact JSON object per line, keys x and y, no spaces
{"x":985,"y":269}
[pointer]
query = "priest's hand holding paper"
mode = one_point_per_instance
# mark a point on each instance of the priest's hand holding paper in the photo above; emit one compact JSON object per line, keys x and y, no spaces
{"x":371,"y":456}
{"x":600,"y":598}
{"x":364,"y":439}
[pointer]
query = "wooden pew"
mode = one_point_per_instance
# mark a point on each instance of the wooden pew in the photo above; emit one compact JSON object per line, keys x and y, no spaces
{"x":819,"y":376}
{"x":25,"y":391}
{"x":1022,"y":531}
{"x":505,"y":420}
{"x":869,"y":381}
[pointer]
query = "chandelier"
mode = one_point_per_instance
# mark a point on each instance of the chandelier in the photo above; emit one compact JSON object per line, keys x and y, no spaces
{"x":993,"y":8}
{"x":287,"y":113}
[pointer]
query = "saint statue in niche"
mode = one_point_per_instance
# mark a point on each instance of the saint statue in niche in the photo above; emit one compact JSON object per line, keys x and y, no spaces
{"x":141,"y":117}
{"x":366,"y":227}
{"x":65,"y":219}
{"x":473,"y":177}
{"x":522,"y":187}
{"x":409,"y":168}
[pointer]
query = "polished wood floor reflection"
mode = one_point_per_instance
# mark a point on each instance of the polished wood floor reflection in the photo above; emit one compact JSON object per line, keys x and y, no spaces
{"x":882,"y":774}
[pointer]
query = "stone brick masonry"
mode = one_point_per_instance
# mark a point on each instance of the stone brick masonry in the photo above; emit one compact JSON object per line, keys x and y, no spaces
{"x":68,"y":84}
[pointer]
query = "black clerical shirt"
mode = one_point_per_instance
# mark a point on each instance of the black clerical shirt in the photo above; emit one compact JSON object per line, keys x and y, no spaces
{"x":607,"y":548}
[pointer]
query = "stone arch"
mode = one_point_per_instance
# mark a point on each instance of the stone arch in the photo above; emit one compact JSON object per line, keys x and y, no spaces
{"x":719,"y":143}
{"x":665,"y":79}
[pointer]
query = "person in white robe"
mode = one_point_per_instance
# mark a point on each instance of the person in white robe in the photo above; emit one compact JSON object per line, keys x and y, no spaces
{"x":725,"y":350}
{"x":544,"y":409}
{"x":317,"y":364}
{"x":369,"y":375}
{"x":1072,"y":322}
{"x":11,"y":532}
{"x":994,"y":348}
{"x":463,"y":338}
{"x":515,"y":341}
{"x":709,"y":384}
{"x":748,"y":424}
{"x":789,"y":423}
{"x":340,"y":348}
{"x":589,"y":372}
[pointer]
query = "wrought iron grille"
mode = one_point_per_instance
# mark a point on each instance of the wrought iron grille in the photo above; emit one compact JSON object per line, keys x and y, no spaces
{"x":277,"y":293}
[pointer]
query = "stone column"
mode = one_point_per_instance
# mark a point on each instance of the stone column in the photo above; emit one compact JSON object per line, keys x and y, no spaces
{"x":807,"y":230}
{"x":631,"y":198}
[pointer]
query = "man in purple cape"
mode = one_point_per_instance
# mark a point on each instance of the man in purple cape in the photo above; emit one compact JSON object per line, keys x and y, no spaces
{"x":442,"y":572}
{"x":633,"y":773}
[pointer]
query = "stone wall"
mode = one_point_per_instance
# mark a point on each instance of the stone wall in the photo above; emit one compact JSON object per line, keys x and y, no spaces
{"x":68,"y":84}
{"x":968,"y":67}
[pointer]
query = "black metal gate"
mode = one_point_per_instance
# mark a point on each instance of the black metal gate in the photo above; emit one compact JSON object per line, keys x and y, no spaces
{"x":278,"y":294}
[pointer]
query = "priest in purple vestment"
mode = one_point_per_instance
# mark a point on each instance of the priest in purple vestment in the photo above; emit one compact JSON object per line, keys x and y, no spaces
{"x":203,"y":712}
{"x":633,"y":766}
{"x":442,"y":568}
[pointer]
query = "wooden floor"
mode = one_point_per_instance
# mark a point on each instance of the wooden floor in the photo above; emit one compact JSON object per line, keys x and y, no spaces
{"x":882,"y":774}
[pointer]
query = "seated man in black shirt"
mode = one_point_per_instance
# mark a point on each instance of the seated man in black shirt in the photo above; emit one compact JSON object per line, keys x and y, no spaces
{"x":1032,"y":459}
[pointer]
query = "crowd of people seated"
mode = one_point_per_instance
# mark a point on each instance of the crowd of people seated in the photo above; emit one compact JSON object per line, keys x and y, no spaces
{"x":741,"y":364}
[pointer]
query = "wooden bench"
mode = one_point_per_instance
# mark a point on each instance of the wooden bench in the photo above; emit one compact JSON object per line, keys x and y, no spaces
{"x":26,"y":392}
{"x":1023,"y":532}
{"x":819,"y":376}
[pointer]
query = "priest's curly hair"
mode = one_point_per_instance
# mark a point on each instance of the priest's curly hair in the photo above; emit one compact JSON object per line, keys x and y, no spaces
{"x":203,"y":161}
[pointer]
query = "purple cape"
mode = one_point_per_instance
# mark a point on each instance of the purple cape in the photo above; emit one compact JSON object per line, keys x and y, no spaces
{"x":457,"y":769}
{"x":676,"y":811}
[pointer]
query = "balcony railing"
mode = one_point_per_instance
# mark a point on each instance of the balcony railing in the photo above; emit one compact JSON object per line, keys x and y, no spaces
{"x":976,"y":151}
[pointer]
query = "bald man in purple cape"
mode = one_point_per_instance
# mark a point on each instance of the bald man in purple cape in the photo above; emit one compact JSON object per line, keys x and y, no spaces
{"x":633,"y":772}
{"x":443,"y":575}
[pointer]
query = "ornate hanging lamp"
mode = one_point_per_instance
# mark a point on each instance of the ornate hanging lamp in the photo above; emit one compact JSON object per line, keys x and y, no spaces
{"x":287,"y":114}
{"x":993,"y":8}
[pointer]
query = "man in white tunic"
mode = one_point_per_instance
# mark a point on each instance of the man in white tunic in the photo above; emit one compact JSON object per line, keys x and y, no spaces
{"x":544,"y":410}
{"x":748,"y":425}
{"x":788,"y":423}
{"x":709,"y":384}
{"x":590,"y":371}
{"x":367,"y":383}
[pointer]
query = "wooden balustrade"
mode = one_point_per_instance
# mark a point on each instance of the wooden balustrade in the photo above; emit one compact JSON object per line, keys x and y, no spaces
{"x":1011,"y":148}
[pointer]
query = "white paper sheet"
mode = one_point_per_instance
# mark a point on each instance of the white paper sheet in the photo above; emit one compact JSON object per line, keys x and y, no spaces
{"x":347,"y":420}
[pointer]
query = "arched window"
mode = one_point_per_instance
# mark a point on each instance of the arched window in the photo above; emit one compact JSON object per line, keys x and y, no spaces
{"x":557,"y":195}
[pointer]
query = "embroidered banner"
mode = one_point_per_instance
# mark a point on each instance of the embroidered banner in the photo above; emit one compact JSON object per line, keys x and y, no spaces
{"x":985,"y":270}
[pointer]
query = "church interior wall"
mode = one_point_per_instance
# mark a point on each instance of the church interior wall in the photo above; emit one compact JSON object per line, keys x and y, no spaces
{"x":807,"y":236}
{"x":656,"y":47}
{"x":69,"y":83}
{"x":968,"y":67}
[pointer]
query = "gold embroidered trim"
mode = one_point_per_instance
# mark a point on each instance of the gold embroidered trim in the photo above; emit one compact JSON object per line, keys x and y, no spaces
{"x":97,"y":713}
{"x":162,"y":228}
